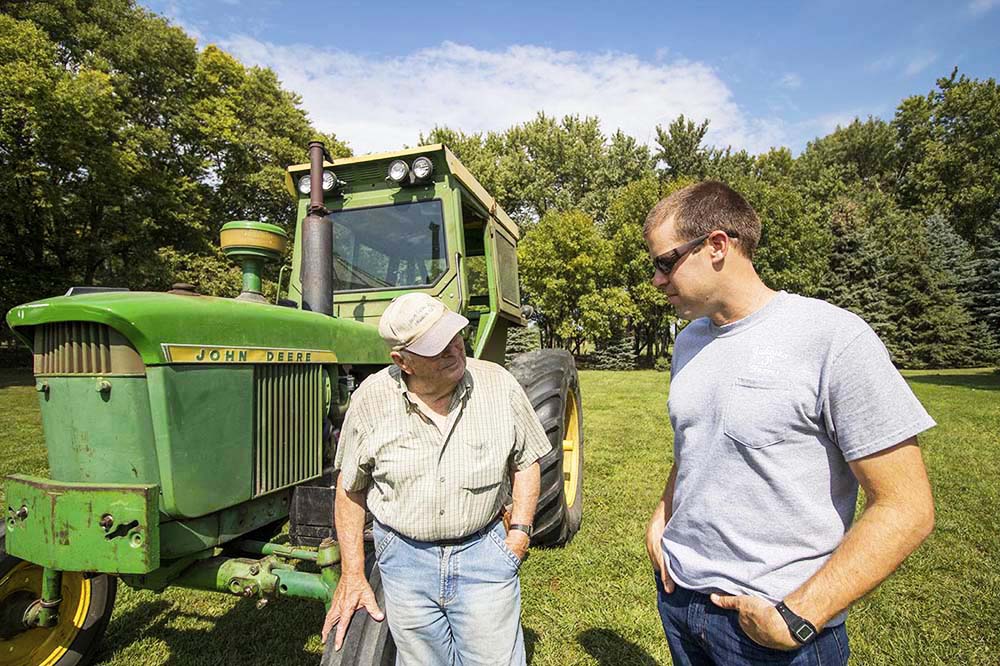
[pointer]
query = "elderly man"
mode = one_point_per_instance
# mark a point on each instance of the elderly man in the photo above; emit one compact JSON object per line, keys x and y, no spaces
{"x":429,"y":445}
{"x":780,"y":406}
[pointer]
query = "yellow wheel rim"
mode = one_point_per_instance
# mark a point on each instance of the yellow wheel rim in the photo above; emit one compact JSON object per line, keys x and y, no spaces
{"x":571,"y":449}
{"x":45,"y":646}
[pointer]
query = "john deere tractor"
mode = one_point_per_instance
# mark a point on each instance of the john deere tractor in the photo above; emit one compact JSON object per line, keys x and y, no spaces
{"x":185,"y":431}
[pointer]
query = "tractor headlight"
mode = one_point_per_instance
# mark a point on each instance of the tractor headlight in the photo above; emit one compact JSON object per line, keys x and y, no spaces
{"x":329,"y":182}
{"x":398,"y":171}
{"x":422,"y":168}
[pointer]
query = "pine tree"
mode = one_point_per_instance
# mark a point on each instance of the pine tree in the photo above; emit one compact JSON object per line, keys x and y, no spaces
{"x":521,"y":340}
{"x":986,"y":283}
{"x":618,"y":354}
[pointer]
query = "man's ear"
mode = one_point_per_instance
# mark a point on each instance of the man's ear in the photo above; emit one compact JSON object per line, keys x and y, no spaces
{"x":721,"y":246}
{"x":398,"y":359}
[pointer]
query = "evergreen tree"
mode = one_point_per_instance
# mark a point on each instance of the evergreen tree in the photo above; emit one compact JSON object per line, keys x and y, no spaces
{"x":617,"y":354}
{"x":521,"y":340}
{"x":985,"y":292}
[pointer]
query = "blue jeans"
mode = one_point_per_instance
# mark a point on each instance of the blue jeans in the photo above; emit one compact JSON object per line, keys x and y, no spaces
{"x":452,"y":605}
{"x":699,"y":633}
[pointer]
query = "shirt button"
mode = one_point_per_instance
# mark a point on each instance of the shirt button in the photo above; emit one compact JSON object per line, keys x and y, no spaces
{"x":441,"y":479}
{"x":441,"y":512}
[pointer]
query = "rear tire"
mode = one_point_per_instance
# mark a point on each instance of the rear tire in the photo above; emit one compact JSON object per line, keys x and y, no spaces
{"x":367,"y":643}
{"x":550,"y":379}
{"x":83,"y":615}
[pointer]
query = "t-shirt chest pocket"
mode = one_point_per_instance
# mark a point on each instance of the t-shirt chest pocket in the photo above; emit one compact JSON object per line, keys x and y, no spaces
{"x":759,"y":411}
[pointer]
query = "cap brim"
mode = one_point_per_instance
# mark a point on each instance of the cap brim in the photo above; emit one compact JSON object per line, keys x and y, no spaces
{"x":439,"y":335}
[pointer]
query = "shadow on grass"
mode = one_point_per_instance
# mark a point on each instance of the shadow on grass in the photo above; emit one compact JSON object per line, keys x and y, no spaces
{"x":243,"y":635}
{"x":610,"y":649}
{"x":16,"y":377}
{"x":975,"y":381}
{"x":530,"y":638}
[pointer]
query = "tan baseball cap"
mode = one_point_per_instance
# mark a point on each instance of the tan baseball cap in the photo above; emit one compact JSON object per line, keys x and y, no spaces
{"x":420,"y":324}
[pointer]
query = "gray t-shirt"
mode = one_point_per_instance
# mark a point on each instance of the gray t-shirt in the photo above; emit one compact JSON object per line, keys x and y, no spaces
{"x":767,"y":411}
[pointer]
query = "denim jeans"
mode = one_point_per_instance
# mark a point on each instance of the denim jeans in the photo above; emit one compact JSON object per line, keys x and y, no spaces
{"x":452,"y":605}
{"x":699,"y":633}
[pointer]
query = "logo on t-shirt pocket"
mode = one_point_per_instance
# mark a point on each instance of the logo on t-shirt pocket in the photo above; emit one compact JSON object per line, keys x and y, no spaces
{"x":759,"y":411}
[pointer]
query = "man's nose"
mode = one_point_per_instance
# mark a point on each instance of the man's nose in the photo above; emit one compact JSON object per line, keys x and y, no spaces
{"x":660,"y":278}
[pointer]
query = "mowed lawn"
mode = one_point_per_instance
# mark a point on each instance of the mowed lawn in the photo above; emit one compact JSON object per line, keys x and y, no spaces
{"x":593,"y":601}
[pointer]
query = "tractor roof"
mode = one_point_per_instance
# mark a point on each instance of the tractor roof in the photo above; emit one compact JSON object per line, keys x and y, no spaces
{"x":454,"y":166}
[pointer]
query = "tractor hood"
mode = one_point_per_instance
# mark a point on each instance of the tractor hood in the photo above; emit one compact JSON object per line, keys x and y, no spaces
{"x":172,"y":328}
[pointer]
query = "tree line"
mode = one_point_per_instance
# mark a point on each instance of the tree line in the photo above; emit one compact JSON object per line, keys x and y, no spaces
{"x":897,"y":221}
{"x":124,"y":148}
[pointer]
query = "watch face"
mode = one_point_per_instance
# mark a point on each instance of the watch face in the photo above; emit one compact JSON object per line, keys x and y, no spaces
{"x":804,"y":633}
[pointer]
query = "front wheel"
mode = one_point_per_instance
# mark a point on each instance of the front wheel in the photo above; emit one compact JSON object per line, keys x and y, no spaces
{"x":87,"y":601}
{"x":550,"y":379}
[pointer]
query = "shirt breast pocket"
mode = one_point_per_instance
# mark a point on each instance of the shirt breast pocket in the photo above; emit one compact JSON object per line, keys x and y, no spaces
{"x":484,"y":467}
{"x":759,"y":411}
{"x":398,"y":458}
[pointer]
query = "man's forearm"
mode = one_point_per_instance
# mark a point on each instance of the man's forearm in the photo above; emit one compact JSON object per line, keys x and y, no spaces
{"x":349,"y":517}
{"x":877,"y":544}
{"x":899,"y":516}
{"x":527,"y":484}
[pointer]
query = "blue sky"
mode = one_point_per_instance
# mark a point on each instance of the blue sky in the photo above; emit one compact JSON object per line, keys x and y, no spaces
{"x":765,"y":74}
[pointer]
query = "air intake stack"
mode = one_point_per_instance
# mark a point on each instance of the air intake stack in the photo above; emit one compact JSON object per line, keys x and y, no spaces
{"x":251,"y":244}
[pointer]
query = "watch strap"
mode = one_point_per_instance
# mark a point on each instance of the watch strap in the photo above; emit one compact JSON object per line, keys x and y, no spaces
{"x":802,"y":630}
{"x":527,"y":529}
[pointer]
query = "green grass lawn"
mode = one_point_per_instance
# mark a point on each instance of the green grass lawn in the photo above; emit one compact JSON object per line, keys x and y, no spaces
{"x":593,"y":601}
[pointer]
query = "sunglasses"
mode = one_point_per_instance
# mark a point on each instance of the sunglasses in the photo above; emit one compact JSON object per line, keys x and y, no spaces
{"x":665,"y":262}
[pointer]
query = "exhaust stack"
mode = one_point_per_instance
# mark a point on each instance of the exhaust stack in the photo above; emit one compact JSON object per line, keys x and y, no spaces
{"x":317,"y":240}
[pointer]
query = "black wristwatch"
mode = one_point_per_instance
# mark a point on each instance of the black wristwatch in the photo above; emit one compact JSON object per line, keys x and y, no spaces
{"x":802,"y":630}
{"x":527,"y":529}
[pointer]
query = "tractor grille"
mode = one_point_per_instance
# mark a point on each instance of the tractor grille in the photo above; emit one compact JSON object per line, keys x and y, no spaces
{"x":288,"y":431}
{"x":84,"y":348}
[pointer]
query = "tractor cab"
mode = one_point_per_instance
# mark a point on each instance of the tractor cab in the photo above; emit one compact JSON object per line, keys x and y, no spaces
{"x":415,"y":220}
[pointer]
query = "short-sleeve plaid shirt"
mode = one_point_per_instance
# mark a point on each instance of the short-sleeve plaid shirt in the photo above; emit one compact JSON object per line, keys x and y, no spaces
{"x":431,"y":485}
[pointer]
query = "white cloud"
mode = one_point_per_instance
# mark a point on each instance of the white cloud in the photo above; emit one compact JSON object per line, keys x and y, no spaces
{"x":790,"y":80}
{"x":381,"y":103}
{"x":919,"y":63}
{"x":909,"y":64}
{"x":981,"y":6}
{"x":883,"y":64}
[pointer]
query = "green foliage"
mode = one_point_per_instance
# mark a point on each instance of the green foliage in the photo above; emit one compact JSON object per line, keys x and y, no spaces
{"x":680,"y":150}
{"x":651,"y":313}
{"x":951,"y":140}
{"x":985,"y":291}
{"x":885,"y":267}
{"x":124,"y":149}
{"x":873,"y":217}
{"x":615,"y":355}
{"x":563,"y":260}
{"x":520,"y":340}
{"x":548,"y":165}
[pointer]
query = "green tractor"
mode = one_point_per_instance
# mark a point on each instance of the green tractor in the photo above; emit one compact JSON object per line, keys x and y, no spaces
{"x":185,"y":431}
